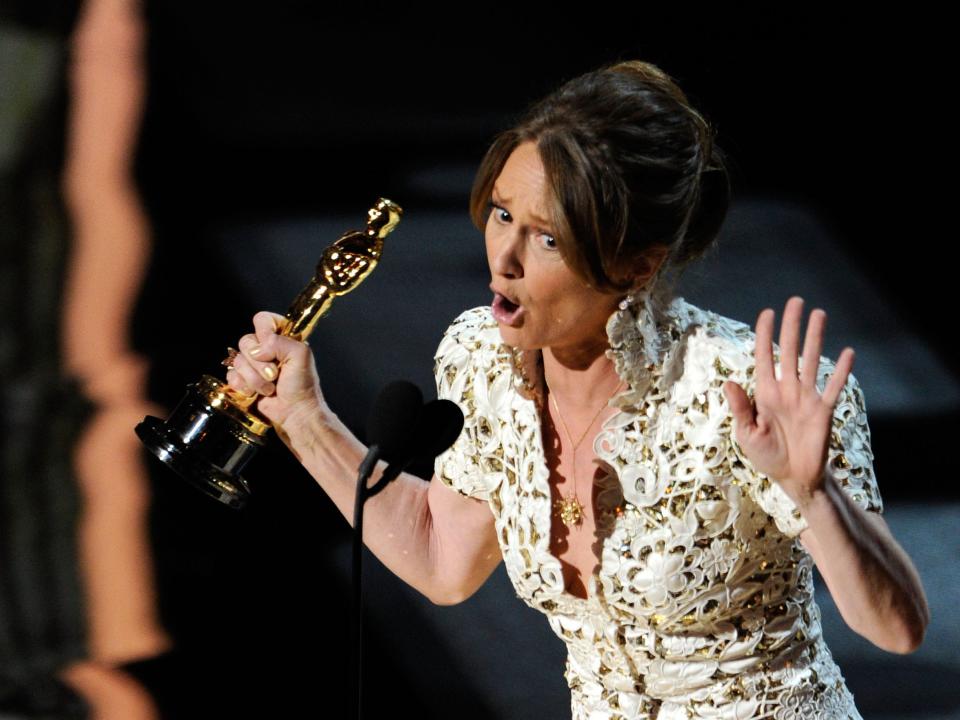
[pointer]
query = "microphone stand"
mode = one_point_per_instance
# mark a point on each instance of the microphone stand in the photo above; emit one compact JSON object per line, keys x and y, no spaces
{"x":438,"y":425}
{"x":356,"y":626}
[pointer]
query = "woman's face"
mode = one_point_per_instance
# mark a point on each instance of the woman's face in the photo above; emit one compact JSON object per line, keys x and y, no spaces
{"x":538,"y":301}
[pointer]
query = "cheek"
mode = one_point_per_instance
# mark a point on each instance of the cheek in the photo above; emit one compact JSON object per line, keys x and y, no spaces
{"x":493,"y":242}
{"x":562,"y":305}
{"x":582,"y":310}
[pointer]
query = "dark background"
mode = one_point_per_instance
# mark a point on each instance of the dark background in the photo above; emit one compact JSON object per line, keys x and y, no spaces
{"x":298,"y":110}
{"x":263,"y":120}
{"x":271,"y":130}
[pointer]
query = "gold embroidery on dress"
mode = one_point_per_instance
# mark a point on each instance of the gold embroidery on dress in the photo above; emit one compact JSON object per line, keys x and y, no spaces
{"x":704,"y":594}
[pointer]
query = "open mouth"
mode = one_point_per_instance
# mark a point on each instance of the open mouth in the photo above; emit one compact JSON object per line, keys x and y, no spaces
{"x":506,"y":311}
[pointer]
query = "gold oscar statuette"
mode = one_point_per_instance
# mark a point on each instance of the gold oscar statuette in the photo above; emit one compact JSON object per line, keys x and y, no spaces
{"x":215,"y":430}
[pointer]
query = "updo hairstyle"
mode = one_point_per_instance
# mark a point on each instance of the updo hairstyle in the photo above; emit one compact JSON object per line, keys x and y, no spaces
{"x":631,"y":166}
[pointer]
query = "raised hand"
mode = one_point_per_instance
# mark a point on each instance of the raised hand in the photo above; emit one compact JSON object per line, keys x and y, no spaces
{"x":282,"y":370}
{"x":785,"y":431}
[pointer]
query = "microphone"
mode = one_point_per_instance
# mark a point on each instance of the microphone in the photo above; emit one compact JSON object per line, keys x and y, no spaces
{"x":392,"y":425}
{"x":441,"y":423}
{"x":402,"y":429}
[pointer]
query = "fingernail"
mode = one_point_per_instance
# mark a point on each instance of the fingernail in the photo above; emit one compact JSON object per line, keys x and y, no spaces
{"x":268,"y":372}
{"x":255,"y":350}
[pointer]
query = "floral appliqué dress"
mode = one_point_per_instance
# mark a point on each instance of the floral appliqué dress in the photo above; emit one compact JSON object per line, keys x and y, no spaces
{"x":702,"y":605}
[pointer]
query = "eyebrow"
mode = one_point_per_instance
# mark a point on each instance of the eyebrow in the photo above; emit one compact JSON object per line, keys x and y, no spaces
{"x":503,"y":199}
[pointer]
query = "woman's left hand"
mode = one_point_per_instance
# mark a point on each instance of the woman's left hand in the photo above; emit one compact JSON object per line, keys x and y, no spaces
{"x":786,"y":436}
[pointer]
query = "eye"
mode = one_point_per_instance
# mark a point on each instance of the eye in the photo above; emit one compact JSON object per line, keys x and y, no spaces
{"x":496,"y":209}
{"x":548,"y":241}
{"x":502,"y":215}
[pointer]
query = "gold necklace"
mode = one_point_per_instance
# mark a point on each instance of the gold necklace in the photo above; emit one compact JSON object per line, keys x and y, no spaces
{"x":570,"y":509}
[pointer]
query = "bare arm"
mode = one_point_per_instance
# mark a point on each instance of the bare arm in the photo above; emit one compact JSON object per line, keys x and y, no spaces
{"x":870,"y":577}
{"x":788,"y":436}
{"x":439,"y":542}
{"x":442,"y":544}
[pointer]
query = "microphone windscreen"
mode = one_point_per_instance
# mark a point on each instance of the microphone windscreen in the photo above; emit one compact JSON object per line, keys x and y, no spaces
{"x":440,"y":425}
{"x":393,"y":423}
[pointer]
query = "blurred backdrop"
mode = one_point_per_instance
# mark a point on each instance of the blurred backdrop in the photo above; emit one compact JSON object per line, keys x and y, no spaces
{"x":211,"y":151}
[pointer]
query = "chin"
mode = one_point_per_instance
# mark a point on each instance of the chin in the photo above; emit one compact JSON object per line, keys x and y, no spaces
{"x":514,"y":337}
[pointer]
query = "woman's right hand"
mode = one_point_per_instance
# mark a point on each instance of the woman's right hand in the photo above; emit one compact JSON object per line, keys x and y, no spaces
{"x":282,"y":370}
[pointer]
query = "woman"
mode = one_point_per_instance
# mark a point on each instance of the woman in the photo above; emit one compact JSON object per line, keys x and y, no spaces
{"x":675,"y":559}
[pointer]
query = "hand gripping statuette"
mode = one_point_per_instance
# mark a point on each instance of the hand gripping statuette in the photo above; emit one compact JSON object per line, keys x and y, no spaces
{"x":214,"y":431}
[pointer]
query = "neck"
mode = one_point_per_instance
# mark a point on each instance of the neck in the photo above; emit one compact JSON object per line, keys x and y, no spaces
{"x":582,"y":379}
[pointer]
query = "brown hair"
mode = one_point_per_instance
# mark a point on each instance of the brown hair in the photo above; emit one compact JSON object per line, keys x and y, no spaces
{"x":631,"y":166}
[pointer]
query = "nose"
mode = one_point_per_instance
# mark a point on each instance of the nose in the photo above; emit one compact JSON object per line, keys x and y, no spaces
{"x":506,"y":255}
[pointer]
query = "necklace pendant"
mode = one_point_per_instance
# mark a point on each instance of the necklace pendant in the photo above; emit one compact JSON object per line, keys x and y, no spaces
{"x":570,"y":510}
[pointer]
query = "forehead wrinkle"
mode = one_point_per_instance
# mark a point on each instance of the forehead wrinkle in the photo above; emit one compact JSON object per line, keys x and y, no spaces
{"x":533,"y":216}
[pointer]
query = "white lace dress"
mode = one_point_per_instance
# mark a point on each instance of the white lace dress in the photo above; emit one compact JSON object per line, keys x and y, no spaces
{"x":703,"y":603}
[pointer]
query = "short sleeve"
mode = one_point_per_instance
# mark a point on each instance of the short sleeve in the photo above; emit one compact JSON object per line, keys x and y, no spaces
{"x":454,"y":368}
{"x":849,"y":457}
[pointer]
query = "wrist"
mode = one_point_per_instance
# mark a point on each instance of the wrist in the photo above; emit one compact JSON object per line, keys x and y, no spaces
{"x":308,"y":425}
{"x":815,"y":494}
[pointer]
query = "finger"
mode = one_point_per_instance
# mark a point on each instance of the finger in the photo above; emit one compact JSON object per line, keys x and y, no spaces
{"x":236,"y":381}
{"x":255,"y":375}
{"x":296,"y":362}
{"x":255,"y":350}
{"x":839,"y":377}
{"x":764,"y":350}
{"x":741,"y":408}
{"x":260,"y":347}
{"x":812,"y":347}
{"x":259,"y":356}
{"x":268,"y":323}
{"x":790,"y":339}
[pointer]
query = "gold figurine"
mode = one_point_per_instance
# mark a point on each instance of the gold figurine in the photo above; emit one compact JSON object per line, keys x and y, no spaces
{"x":343,"y":265}
{"x":214,"y":431}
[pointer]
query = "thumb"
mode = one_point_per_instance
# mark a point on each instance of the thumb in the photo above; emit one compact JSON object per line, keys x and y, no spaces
{"x":741,"y":407}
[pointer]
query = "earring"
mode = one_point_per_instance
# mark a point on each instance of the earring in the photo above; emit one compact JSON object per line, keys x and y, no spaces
{"x":631,"y":297}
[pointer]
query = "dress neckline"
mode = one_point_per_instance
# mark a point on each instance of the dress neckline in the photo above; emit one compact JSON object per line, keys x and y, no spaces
{"x":638,"y":333}
{"x":535,"y":393}
{"x":592,"y":583}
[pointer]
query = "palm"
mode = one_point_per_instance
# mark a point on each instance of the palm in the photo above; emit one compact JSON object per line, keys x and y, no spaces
{"x":785,"y":431}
